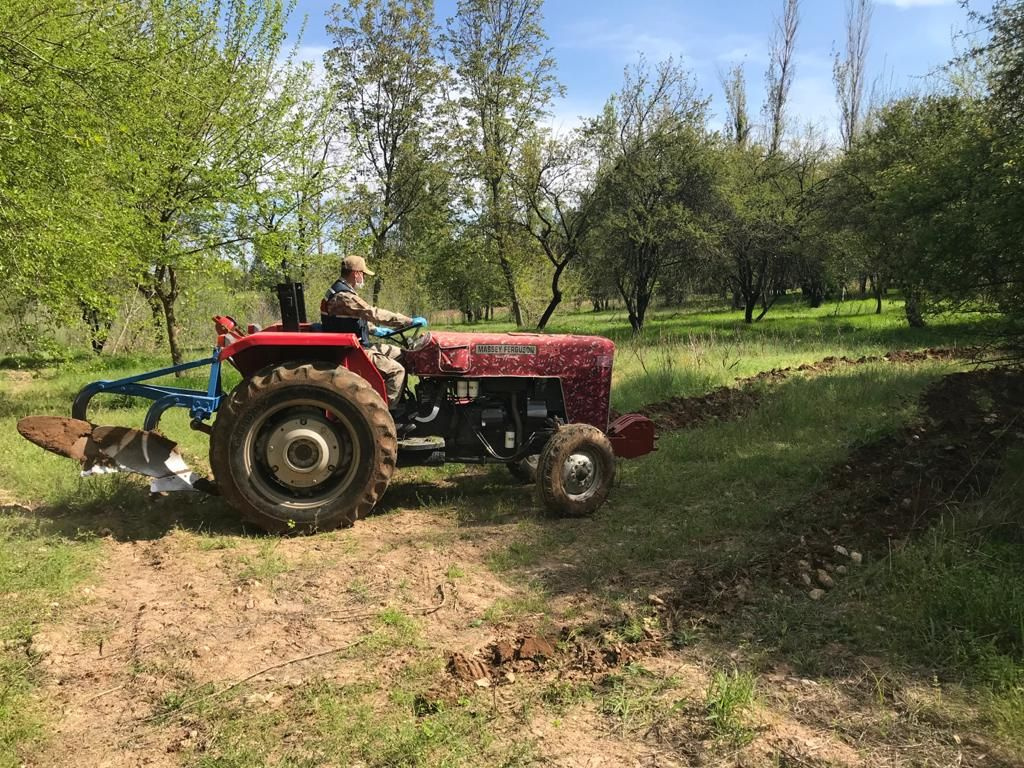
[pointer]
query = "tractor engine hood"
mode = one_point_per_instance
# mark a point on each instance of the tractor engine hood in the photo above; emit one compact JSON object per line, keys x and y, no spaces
{"x":583,"y":364}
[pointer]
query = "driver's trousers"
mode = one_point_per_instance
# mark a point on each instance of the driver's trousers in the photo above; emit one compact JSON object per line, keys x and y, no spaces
{"x":385,"y":358}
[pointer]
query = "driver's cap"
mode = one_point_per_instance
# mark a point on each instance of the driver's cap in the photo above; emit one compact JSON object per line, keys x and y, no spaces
{"x":355,"y":264}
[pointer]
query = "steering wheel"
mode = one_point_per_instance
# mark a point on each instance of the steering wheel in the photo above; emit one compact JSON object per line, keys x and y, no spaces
{"x":411,"y":337}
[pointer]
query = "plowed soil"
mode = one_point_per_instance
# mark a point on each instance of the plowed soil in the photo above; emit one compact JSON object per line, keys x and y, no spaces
{"x":728,"y":403}
{"x":887,"y":491}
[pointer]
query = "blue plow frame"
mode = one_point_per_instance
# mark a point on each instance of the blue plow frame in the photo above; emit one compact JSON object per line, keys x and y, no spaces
{"x":201,"y":404}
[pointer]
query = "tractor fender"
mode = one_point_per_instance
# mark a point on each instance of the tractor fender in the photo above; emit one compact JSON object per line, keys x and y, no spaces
{"x":259,"y":350}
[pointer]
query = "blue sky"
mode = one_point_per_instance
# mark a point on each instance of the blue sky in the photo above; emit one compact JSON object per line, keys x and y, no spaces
{"x":593,"y":40}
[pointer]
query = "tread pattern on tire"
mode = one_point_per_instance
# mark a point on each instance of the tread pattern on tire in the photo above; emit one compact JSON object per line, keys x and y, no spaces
{"x":549,"y":481}
{"x":332,"y":380}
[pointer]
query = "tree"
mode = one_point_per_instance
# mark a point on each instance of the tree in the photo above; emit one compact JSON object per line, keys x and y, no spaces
{"x":559,"y":208}
{"x":848,"y":71}
{"x":924,"y":194}
{"x":655,"y":183}
{"x":757,"y":227}
{"x":66,"y":226}
{"x":506,"y":78}
{"x":209,"y":116}
{"x":737,"y":125}
{"x":295,"y":198}
{"x":1003,"y":217}
{"x":781,"y":70}
{"x":387,"y":81}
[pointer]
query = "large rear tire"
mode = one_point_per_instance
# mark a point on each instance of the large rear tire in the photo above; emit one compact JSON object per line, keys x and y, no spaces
{"x":303,"y":447}
{"x":575,"y":471}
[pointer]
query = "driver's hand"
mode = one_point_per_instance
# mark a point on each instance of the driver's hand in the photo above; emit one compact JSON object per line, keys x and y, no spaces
{"x":419,"y":322}
{"x":382,"y":332}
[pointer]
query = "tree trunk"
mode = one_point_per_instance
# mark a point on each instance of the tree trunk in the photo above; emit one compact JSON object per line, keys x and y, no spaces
{"x":513,"y":293}
{"x":378,"y":259}
{"x":863,"y":285}
{"x":168,"y":296}
{"x":99,"y":328}
{"x":173,"y":333}
{"x":876,"y":289}
{"x":556,"y":296}
{"x":912,"y":308}
{"x":748,"y":310}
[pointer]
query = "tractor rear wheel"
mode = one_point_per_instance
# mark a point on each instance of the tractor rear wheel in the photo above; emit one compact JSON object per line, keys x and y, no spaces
{"x":303,"y":447}
{"x":575,"y":470}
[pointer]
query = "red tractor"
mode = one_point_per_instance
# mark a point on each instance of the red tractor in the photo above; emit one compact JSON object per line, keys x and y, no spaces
{"x":306,"y":441}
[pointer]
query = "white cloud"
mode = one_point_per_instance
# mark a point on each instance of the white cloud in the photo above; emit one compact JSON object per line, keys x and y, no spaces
{"x":625,"y":41}
{"x":915,"y":3}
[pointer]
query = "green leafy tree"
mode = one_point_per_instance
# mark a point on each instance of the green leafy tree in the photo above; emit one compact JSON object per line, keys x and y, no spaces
{"x":387,"y":83}
{"x":1002,"y":58}
{"x":923,"y":193}
{"x":559,"y":209}
{"x":656,"y":183}
{"x":506,"y":81}
{"x":210,"y":115}
{"x":67,"y":227}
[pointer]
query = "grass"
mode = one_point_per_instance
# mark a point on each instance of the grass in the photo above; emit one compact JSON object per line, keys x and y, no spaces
{"x":37,"y":575}
{"x":354,"y":724}
{"x":688,"y":352}
{"x":947,"y":608}
{"x":636,"y":699}
{"x":728,"y":699}
{"x":264,"y":564}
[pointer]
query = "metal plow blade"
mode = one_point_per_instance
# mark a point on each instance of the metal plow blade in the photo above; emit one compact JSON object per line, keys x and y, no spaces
{"x":101,"y":450}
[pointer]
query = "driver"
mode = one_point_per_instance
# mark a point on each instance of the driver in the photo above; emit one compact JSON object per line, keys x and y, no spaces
{"x":343,"y":311}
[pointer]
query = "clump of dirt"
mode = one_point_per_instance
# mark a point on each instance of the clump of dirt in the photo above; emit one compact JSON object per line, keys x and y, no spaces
{"x":573,"y":656}
{"x":729,"y":403}
{"x":66,"y":437}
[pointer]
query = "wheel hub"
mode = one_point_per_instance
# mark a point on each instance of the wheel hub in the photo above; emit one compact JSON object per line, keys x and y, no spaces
{"x":579,"y":475}
{"x":302,"y":452}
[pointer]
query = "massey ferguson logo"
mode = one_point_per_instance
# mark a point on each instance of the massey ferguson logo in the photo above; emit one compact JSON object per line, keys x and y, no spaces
{"x":505,"y":349}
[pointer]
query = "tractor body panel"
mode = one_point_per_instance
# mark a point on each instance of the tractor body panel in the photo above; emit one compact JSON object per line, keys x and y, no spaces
{"x":582,"y":365}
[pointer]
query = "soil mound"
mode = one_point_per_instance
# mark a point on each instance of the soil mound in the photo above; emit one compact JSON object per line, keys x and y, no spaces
{"x":889,"y":490}
{"x":728,"y":403}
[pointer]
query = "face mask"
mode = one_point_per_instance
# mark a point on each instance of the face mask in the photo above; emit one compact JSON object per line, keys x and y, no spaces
{"x":359,"y":284}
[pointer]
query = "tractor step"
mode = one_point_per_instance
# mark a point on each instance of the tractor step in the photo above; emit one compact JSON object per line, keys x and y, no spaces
{"x":417,"y":444}
{"x":421,"y":451}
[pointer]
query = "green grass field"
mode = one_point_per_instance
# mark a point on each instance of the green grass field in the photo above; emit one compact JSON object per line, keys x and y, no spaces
{"x":913,"y":658}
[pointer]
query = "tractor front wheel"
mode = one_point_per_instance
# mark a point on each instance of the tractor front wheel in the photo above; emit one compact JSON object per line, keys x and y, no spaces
{"x":303,"y":447}
{"x":575,"y":470}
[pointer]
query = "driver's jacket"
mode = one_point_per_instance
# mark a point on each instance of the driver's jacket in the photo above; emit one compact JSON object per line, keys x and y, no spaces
{"x":343,"y":311}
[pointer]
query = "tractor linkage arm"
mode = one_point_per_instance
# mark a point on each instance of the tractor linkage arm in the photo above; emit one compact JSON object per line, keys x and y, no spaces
{"x":201,"y":404}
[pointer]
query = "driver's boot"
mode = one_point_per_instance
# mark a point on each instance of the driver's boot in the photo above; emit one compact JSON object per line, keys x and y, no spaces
{"x":402,"y":413}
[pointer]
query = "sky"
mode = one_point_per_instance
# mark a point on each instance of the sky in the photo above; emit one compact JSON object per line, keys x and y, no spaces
{"x":594,"y":40}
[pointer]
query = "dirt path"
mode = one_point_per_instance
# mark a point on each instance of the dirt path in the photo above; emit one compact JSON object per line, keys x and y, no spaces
{"x":169,"y":615}
{"x":180,"y":614}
